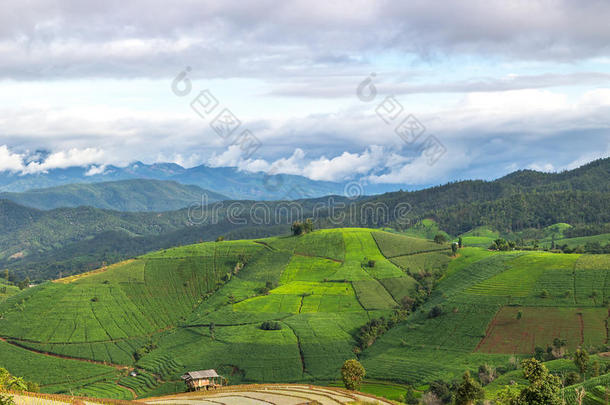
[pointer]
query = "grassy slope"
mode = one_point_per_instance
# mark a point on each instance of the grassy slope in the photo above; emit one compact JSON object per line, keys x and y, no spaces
{"x":7,"y":290}
{"x":477,"y":285}
{"x":323,"y":291}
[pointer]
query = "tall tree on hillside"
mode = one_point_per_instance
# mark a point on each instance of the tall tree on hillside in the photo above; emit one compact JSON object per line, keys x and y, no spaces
{"x":544,"y":388}
{"x":468,"y":391}
{"x":581,"y":360}
{"x":352,"y":373}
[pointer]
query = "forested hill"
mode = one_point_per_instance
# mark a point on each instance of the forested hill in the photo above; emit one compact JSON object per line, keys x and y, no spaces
{"x":519,"y":200}
{"x":126,"y":195}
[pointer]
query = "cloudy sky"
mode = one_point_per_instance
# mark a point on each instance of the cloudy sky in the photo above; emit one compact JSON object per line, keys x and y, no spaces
{"x":320,"y":87}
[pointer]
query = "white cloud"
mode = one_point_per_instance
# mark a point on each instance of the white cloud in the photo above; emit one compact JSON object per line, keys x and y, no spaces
{"x":542,"y":167}
{"x":347,"y":165}
{"x":65,"y":159}
{"x":10,"y":161}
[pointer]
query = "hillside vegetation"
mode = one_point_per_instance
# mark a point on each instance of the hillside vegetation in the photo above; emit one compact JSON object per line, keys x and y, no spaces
{"x":128,"y":195}
{"x":155,"y":312}
{"x":293,"y":309}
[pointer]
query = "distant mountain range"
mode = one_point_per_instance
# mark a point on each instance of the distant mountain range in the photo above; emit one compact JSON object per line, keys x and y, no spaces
{"x":228,"y":181}
{"x":125,"y":195}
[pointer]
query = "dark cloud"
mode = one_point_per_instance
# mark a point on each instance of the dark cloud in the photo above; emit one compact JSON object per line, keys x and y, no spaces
{"x":44,"y":39}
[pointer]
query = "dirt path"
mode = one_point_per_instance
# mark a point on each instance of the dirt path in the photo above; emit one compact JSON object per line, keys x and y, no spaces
{"x":582,"y":328}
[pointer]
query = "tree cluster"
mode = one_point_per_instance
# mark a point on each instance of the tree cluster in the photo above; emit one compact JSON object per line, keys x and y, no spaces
{"x":302,"y":227}
{"x":271,"y":325}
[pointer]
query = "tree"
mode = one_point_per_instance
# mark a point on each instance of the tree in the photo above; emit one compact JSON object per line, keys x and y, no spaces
{"x":407,"y":302}
{"x":468,"y":391}
{"x":544,"y":388}
{"x":508,"y":396}
{"x":352,"y":373}
{"x":220,"y":239}
{"x":440,"y":238}
{"x":212,"y":329}
{"x":581,"y":360}
{"x":410,"y":397}
{"x":559,"y":347}
{"x":454,"y":248}
{"x":487,"y":374}
{"x":460,"y":244}
{"x":297,"y":228}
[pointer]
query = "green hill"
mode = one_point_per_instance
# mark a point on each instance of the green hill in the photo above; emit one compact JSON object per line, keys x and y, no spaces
{"x":293,"y":309}
{"x":319,"y":287}
{"x":126,"y":195}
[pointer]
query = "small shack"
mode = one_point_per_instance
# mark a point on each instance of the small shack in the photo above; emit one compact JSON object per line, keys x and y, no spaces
{"x":202,"y":379}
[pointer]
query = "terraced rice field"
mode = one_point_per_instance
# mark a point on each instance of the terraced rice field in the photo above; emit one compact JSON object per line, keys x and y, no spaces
{"x":271,"y":394}
{"x":201,"y":306}
{"x":319,"y":287}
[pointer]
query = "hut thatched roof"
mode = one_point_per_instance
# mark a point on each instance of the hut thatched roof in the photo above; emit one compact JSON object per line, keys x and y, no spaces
{"x":196,"y":375}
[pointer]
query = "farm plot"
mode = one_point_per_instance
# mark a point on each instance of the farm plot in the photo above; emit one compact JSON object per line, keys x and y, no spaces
{"x":302,"y":268}
{"x":325,"y":340}
{"x":323,"y":243}
{"x":393,"y":245}
{"x":361,"y":248}
{"x":520,"y":279}
{"x":104,"y":389}
{"x":538,"y":326}
{"x":480,"y":236}
{"x":256,"y":355}
{"x":422,"y":262}
{"x":59,"y":374}
{"x":372,"y":295}
{"x":399,"y":287}
{"x":591,"y":284}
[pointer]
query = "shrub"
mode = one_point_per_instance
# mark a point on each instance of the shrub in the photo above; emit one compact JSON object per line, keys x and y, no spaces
{"x":440,"y":238}
{"x":571,"y":379}
{"x":6,"y":400}
{"x":271,"y":325}
{"x":371,"y":263}
{"x":435,"y":312}
{"x":544,"y":294}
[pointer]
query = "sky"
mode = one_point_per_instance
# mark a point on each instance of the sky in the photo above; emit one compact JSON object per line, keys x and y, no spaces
{"x":411,"y":93}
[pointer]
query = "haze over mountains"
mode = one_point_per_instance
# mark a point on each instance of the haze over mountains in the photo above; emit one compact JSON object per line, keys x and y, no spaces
{"x":228,"y":181}
{"x":126,"y":195}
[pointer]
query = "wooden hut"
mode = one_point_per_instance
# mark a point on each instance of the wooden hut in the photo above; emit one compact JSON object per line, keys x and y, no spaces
{"x":202,"y":379}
